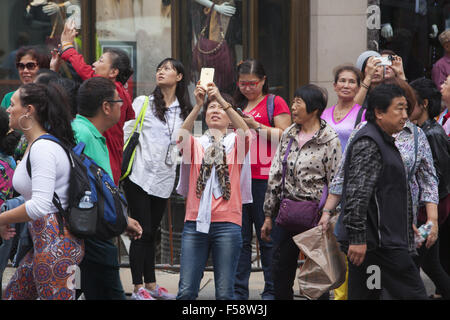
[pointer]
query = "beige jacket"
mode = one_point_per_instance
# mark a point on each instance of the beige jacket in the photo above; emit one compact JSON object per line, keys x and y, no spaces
{"x":308,"y":168}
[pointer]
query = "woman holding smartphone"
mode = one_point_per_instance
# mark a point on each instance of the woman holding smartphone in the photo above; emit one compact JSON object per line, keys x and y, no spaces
{"x":268,"y":116}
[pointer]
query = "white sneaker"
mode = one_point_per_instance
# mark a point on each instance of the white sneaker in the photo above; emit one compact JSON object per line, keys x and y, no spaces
{"x":142,"y":294}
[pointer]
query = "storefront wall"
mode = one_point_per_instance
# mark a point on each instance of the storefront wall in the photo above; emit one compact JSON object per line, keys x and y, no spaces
{"x":336,"y":32}
{"x":338,"y":36}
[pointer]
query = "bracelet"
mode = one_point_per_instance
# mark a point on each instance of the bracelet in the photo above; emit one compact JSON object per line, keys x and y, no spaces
{"x":331,"y":212}
{"x":365,"y":86}
{"x":227,"y":107}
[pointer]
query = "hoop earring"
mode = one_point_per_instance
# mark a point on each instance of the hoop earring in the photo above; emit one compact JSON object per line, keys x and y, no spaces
{"x":20,"y":125}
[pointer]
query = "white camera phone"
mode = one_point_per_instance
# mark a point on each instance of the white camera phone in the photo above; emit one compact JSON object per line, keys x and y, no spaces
{"x":385,"y":61}
{"x":206,"y":77}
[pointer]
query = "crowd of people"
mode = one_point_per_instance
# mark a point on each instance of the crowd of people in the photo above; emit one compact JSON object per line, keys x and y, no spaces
{"x":379,"y":159}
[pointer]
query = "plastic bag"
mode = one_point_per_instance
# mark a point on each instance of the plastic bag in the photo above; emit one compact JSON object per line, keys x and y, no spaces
{"x":324,"y":268}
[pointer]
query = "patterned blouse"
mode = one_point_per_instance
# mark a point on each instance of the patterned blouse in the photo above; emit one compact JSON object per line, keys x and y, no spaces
{"x":308,"y":168}
{"x":424,"y":181}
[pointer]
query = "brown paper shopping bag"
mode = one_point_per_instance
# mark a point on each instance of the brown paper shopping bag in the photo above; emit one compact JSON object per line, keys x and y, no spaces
{"x":324,"y":268}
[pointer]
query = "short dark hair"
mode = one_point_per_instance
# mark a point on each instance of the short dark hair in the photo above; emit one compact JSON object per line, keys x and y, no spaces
{"x":381,"y":98}
{"x":45,"y":76}
{"x":121,"y":62}
{"x":225,"y":97}
{"x":340,"y":69}
{"x":410,"y":95}
{"x":426,"y":89}
{"x":315,"y":98}
{"x":71,"y":88}
{"x":91,"y":95}
{"x":40,"y":54}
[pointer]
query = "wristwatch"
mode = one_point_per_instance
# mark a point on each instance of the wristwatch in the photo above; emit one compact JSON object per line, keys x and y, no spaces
{"x":258,"y":128}
{"x":331,"y":212}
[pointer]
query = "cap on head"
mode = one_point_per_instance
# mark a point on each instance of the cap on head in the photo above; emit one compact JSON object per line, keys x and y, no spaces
{"x":361,"y":62}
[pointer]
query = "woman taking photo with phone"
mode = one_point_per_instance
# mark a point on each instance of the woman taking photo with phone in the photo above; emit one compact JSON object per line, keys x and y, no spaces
{"x":152,"y":177}
{"x":268,"y":116}
{"x":210,"y":180}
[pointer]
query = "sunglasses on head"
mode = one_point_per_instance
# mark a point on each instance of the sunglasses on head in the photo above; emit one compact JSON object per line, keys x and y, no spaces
{"x":29,"y":66}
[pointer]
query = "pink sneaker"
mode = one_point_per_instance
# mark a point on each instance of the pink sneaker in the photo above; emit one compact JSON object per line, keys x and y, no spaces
{"x":161,"y":293}
{"x":142,"y":294}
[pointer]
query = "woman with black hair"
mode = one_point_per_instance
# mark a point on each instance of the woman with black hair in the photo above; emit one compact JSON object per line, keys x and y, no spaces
{"x":114,"y":65}
{"x":29,"y":60}
{"x":311,"y":151}
{"x":47,"y":271}
{"x":152,"y":178}
{"x":268,"y":115}
{"x":427,"y":108}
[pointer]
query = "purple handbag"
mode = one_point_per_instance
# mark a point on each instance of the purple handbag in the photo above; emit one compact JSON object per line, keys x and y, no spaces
{"x":298,"y":216}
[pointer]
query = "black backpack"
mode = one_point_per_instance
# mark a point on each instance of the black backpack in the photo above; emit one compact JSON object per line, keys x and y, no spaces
{"x":107,"y":218}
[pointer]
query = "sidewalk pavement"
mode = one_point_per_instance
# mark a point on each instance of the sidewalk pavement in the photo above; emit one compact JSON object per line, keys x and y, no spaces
{"x":169,"y":280}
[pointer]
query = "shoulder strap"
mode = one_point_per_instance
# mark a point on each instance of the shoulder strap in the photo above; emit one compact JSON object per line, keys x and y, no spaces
{"x":284,"y":163}
{"x":270,"y":109}
{"x":139,"y":120}
{"x":416,"y":147}
{"x":359,"y":117}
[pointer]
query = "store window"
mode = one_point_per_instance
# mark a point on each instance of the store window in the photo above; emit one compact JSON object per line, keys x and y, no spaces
{"x":142,"y":29}
{"x":411,"y":28}
{"x":37,"y":22}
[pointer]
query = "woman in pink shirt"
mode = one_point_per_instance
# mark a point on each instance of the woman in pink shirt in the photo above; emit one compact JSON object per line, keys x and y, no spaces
{"x":345,"y":115}
{"x":214,"y":196}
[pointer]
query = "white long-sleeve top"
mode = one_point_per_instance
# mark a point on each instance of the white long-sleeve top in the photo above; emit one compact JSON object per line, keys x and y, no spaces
{"x":149,"y":170}
{"x":50,"y":170}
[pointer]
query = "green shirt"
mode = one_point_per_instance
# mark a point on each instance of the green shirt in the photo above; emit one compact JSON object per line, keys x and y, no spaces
{"x":95,"y":143}
{"x":6,"y":102}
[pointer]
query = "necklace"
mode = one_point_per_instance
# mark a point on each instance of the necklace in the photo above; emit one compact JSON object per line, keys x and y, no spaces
{"x":339,"y":115}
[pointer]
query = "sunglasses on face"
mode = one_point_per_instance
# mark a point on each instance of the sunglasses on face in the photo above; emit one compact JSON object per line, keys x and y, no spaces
{"x":250,"y":84}
{"x":29,"y":66}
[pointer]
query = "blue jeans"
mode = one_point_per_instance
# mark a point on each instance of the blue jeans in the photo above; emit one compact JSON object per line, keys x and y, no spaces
{"x":224,"y":241}
{"x":254,"y":214}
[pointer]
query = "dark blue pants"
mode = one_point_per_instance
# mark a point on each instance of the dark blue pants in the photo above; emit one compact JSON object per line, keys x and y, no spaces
{"x":253,"y":214}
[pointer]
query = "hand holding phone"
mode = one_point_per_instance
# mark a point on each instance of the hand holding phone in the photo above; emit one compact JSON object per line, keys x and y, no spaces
{"x":241,"y":113}
{"x":206,"y":77}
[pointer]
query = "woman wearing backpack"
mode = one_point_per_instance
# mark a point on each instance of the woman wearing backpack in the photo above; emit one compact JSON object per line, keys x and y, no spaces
{"x":268,"y":116}
{"x":48,"y":271}
{"x":152,"y":177}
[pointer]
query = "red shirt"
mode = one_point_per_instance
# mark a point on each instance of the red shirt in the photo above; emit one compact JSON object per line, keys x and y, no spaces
{"x":114,"y":135}
{"x":262,"y":151}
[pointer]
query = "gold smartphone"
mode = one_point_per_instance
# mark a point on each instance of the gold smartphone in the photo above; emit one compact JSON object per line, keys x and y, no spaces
{"x":206,"y":77}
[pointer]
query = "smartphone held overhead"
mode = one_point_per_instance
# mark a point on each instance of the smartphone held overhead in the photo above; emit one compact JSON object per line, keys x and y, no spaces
{"x":385,"y":61}
{"x":206,"y":77}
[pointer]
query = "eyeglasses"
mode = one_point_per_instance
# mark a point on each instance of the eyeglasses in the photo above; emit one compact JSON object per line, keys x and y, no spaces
{"x":250,"y":84}
{"x":29,"y":66}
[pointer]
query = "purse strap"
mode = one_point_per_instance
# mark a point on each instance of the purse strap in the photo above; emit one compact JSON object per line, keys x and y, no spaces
{"x":323,"y":199}
{"x":139,"y":120}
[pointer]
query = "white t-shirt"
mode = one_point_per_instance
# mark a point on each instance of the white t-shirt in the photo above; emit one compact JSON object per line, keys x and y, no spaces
{"x":50,"y":170}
